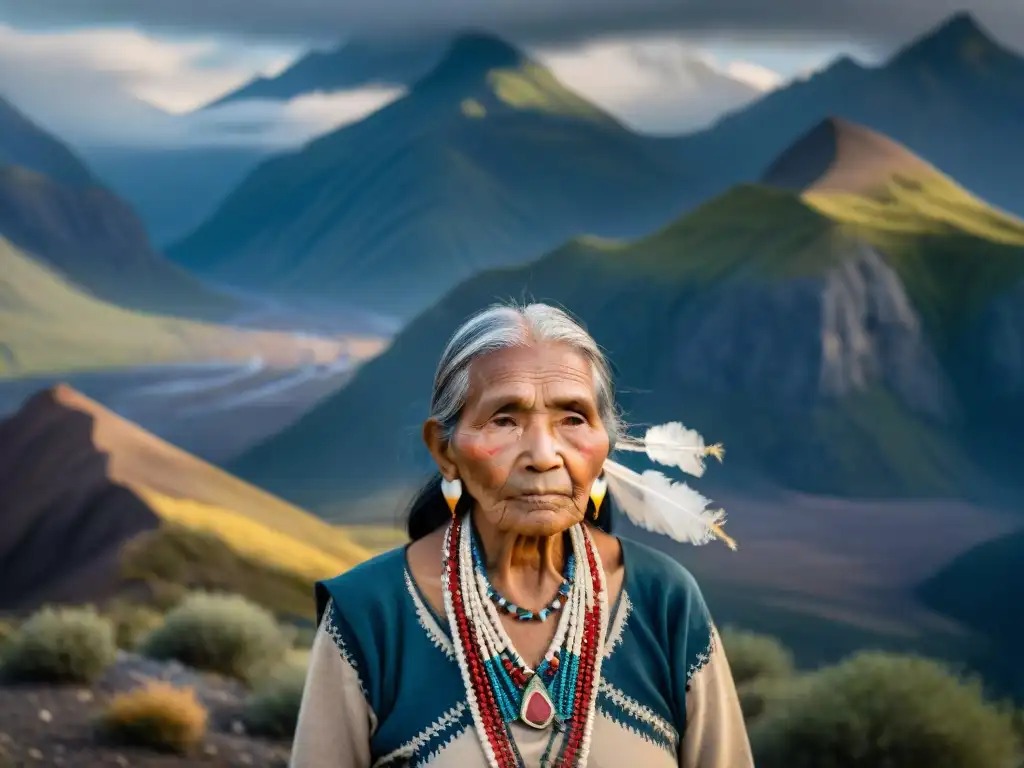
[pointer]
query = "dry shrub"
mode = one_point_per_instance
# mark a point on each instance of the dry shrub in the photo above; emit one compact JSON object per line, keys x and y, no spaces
{"x":156,"y":716}
{"x":226,"y":634}
{"x":60,"y":645}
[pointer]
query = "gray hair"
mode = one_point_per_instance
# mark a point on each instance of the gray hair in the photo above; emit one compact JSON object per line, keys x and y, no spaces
{"x":504,"y":326}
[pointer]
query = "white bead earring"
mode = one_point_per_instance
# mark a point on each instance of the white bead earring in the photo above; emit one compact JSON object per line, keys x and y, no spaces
{"x":452,"y":492}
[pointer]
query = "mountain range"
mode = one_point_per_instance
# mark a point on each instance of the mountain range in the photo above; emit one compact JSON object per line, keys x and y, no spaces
{"x":847,"y":326}
{"x":486,"y":162}
{"x":953,"y":96}
{"x":82,"y":289}
{"x":53,"y":209}
{"x":489,"y":161}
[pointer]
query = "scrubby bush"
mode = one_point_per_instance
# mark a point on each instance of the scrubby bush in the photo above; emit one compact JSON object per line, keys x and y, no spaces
{"x":72,"y":645}
{"x":760,"y":695}
{"x":8,"y":629}
{"x":273,"y":709}
{"x":877,"y":709}
{"x":753,"y":656}
{"x":157,"y":716}
{"x":226,"y":634}
{"x":132,"y":622}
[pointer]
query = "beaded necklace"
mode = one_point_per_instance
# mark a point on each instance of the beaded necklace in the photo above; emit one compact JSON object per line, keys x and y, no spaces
{"x":500,"y":686}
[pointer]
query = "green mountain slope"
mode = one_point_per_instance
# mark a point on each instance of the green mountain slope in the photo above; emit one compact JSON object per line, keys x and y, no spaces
{"x":52,"y":208}
{"x":979,"y":589}
{"x":23,"y":143}
{"x":48,"y":325}
{"x":487,"y":162}
{"x":819,"y":332}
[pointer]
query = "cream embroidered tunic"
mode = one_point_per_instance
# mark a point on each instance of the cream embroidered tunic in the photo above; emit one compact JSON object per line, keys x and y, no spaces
{"x":384,"y":688}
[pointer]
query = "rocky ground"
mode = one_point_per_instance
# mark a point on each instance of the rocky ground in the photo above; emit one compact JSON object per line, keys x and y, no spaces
{"x":49,"y":725}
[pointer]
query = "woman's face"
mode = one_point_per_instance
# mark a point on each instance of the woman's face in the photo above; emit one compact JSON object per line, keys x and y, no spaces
{"x":530,"y":442}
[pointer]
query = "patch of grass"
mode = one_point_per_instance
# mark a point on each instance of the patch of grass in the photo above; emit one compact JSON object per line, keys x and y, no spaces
{"x":877,"y":709}
{"x":272,"y":710}
{"x":226,"y":634}
{"x":172,"y":561}
{"x":257,"y":541}
{"x":60,"y":645}
{"x":473,"y":108}
{"x":532,"y":87}
{"x":157,"y":716}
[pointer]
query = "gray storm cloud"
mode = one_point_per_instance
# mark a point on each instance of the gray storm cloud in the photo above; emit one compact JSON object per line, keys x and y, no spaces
{"x":541,"y":21}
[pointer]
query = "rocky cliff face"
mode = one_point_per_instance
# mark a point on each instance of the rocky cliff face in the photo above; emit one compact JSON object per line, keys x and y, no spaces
{"x":802,"y":340}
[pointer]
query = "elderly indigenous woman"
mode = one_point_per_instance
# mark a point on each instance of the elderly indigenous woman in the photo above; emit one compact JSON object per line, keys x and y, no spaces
{"x":515,"y":630}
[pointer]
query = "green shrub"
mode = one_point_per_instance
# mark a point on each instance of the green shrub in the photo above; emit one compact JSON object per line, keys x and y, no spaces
{"x":8,"y":630}
{"x":753,"y":656}
{"x":73,"y":645}
{"x":132,"y":622}
{"x":759,"y":696}
{"x":877,"y":709}
{"x":272,"y":710}
{"x":157,"y":716}
{"x":226,"y":634}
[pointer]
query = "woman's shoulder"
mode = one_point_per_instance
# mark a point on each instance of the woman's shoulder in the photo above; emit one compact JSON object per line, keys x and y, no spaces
{"x":656,"y":574}
{"x":376,"y":581}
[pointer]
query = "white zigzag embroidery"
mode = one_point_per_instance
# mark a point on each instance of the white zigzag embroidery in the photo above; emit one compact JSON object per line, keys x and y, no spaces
{"x":618,"y":625}
{"x":332,"y":629}
{"x":417,"y":742}
{"x":428,"y":622}
{"x":702,"y":658}
{"x":638,"y":711}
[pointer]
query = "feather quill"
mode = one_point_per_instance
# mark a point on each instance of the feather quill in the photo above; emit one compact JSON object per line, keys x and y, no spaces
{"x":674,"y":445}
{"x":653,"y":502}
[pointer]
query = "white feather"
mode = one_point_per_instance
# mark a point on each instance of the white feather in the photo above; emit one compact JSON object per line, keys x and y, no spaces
{"x":655,"y":503}
{"x":674,"y":445}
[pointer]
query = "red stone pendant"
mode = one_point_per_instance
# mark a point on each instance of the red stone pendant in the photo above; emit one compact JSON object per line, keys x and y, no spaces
{"x":536,"y":711}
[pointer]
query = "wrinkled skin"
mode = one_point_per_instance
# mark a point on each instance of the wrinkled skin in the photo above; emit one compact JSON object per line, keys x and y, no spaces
{"x":528,"y":446}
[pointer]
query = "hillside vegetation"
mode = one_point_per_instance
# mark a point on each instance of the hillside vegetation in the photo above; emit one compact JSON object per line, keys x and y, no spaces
{"x":48,"y":325}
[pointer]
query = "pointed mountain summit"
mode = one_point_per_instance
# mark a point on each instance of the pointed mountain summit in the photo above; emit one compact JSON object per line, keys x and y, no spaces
{"x":959,"y":38}
{"x":85,"y":489}
{"x":488,"y":161}
{"x":839,"y":156}
{"x":478,"y":52}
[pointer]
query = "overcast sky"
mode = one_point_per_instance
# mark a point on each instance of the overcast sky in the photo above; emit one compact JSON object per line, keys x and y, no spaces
{"x":109,"y":71}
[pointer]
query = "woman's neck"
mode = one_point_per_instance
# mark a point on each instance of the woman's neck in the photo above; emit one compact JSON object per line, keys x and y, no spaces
{"x":525,"y":569}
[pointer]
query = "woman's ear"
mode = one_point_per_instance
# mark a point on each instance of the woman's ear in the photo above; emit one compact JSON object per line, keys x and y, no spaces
{"x":440,"y":449}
